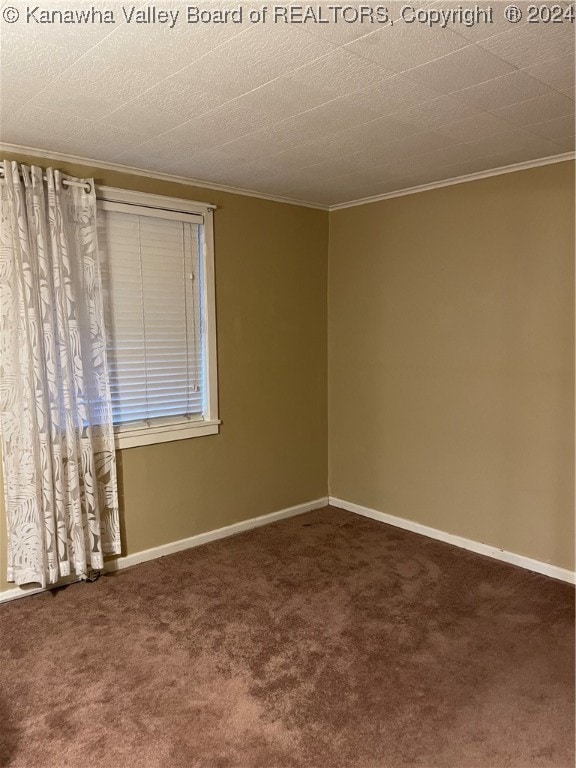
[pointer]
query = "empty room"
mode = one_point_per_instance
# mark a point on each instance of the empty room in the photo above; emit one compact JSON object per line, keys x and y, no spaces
{"x":287,"y":423}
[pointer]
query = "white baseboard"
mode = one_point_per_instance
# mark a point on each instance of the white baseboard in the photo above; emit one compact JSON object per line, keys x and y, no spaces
{"x":555,"y":572}
{"x":219,"y":533}
{"x":119,"y":563}
{"x":16,"y":592}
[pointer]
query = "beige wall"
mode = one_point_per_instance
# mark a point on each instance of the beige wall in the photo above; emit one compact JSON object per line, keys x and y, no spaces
{"x":451,"y":366}
{"x":451,"y":359}
{"x":271,"y":316}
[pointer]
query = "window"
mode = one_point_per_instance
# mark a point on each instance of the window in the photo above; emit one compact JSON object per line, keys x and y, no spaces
{"x":157,"y":266}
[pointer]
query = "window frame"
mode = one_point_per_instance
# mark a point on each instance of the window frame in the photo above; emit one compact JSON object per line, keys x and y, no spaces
{"x":176,"y":428}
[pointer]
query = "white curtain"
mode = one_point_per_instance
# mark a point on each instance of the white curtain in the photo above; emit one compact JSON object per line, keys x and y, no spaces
{"x":55,"y":410}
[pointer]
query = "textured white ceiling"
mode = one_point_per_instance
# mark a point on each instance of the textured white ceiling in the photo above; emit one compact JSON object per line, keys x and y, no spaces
{"x":321,"y":113}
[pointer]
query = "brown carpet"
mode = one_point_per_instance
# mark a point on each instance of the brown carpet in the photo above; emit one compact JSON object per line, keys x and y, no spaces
{"x":323,"y":641}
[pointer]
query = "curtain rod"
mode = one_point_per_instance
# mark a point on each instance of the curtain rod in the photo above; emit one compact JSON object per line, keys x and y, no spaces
{"x":67,"y":182}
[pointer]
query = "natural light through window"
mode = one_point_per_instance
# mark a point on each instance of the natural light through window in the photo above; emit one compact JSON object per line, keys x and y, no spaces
{"x":157,"y":272}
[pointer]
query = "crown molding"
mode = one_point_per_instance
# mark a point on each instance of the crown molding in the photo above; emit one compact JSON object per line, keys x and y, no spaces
{"x":184,"y":180}
{"x":189,"y":182}
{"x":458,"y":180}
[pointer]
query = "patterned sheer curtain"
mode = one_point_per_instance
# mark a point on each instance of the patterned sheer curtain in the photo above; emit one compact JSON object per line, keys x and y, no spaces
{"x":55,"y":411}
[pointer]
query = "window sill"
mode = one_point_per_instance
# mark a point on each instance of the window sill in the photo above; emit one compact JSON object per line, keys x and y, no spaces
{"x":167,"y":433}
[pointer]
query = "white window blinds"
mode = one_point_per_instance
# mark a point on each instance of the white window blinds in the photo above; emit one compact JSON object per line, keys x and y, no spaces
{"x":151,"y":263}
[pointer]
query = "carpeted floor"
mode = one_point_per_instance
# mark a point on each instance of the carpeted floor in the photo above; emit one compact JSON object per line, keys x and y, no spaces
{"x":323,"y":641}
